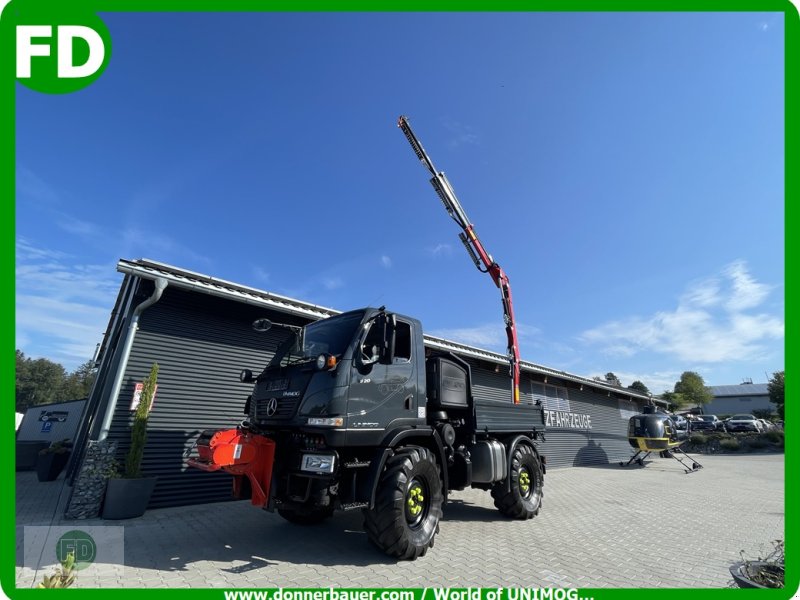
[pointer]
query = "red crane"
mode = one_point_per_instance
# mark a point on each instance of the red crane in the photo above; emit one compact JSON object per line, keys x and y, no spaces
{"x":482,"y":259}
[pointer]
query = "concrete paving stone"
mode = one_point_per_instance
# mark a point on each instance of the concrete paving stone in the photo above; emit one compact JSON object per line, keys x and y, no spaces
{"x":594,"y":531}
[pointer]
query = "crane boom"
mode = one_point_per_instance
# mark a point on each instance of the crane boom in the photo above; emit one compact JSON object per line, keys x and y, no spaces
{"x":482,"y":259}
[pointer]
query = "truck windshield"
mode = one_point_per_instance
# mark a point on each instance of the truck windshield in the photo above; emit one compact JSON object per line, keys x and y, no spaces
{"x":329,"y":336}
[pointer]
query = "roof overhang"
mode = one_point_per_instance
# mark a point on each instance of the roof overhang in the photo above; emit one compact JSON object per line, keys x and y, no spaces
{"x":197,"y":282}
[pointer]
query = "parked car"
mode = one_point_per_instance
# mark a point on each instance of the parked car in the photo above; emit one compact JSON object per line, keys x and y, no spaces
{"x":681,"y":425}
{"x":766,"y":425}
{"x":743,"y":423}
{"x":707,"y":423}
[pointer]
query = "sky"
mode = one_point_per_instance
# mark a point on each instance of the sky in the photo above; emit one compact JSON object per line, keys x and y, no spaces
{"x":625,"y":169}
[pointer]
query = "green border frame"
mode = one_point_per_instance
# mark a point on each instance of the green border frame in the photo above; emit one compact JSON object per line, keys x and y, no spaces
{"x":8,"y":235}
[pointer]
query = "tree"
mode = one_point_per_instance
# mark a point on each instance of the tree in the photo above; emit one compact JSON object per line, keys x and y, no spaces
{"x":133,"y":461}
{"x":693,"y":389}
{"x":79,"y":383}
{"x":762,"y":413}
{"x":613,"y":379}
{"x":43,"y":381}
{"x":675,"y":401}
{"x":38,"y":381}
{"x":775,"y":387}
{"x":639,"y":387}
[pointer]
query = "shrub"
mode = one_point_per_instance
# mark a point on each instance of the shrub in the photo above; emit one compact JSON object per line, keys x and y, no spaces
{"x":758,"y":443}
{"x":698,"y":439}
{"x":133,"y":462}
{"x":60,"y":447}
{"x":64,"y":575}
{"x":776,"y":437}
{"x":730,"y":444}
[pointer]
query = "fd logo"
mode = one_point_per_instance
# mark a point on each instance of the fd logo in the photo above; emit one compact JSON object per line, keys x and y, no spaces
{"x":60,"y":53}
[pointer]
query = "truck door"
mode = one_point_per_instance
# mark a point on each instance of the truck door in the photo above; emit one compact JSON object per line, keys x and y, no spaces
{"x":383,"y":395}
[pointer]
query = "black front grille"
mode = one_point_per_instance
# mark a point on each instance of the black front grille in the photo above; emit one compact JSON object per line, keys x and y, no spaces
{"x":280,"y":408}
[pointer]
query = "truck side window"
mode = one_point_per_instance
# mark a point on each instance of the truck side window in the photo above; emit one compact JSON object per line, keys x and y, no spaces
{"x":402,"y":342}
{"x":374,"y":340}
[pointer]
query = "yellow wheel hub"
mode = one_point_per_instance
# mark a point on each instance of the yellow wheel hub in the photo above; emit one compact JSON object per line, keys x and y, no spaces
{"x":524,"y":482}
{"x":415,"y":500}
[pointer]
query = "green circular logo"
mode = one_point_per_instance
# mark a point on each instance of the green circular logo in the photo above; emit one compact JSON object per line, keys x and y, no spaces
{"x":59,"y":52}
{"x":80,"y":544}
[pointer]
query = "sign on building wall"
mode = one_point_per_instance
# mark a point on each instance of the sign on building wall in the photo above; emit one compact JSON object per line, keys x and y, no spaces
{"x":556,"y":419}
{"x":54,"y":415}
{"x":137,"y":396}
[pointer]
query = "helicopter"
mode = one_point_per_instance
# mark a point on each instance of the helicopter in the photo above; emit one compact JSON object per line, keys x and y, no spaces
{"x":656,"y":432}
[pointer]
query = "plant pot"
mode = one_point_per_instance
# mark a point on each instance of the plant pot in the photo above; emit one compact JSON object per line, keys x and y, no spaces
{"x":27,"y":453}
{"x":127,"y":498}
{"x":49,"y":466}
{"x":745,"y":574}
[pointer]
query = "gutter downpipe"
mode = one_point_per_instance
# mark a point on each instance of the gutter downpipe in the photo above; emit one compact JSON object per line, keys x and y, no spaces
{"x":161,"y":285}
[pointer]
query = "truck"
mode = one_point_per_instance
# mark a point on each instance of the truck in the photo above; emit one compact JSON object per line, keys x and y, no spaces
{"x":355,"y":412}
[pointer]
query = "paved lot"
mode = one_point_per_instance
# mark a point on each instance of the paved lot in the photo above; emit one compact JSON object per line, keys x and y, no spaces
{"x":599,"y":527}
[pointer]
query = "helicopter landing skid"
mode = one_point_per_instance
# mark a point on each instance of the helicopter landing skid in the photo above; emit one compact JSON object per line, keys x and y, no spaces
{"x":635,"y":458}
{"x":687,"y":468}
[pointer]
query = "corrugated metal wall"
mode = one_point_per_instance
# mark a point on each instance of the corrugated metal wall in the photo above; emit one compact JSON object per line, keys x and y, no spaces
{"x":606,"y":441}
{"x":200,"y":344}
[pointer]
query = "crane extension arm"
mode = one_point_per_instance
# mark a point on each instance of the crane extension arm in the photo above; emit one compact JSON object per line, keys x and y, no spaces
{"x":483,"y":260}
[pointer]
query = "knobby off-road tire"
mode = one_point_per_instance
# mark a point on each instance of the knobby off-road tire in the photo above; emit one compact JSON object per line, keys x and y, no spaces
{"x":305,"y":515}
{"x":408,"y":504}
{"x":524,"y":499}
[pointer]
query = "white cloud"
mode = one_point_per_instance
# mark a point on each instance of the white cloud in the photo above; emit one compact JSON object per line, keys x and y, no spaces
{"x":462,"y":134}
{"x":709,"y":324}
{"x":33,"y":187}
{"x":440,"y":250}
{"x":746,"y":292}
{"x":260,"y":274}
{"x":332,"y":283}
{"x":657,"y":381}
{"x":62,"y":308}
{"x":77,"y":226}
{"x":145,"y":243}
{"x":489,"y":336}
{"x":386,"y":262}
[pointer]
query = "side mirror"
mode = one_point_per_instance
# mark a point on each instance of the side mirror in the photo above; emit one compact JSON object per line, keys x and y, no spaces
{"x":262,"y":325}
{"x":375,"y":356}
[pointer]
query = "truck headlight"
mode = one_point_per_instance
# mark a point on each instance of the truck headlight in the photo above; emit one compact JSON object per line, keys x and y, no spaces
{"x":326,"y":362}
{"x":318,"y":463}
{"x":326,"y":421}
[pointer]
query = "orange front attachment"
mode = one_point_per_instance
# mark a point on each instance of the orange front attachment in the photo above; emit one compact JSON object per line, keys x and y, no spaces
{"x":240,"y":453}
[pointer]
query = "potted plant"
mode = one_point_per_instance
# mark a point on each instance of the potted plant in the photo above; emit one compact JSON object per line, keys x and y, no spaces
{"x":765,"y":572}
{"x":52,"y":460}
{"x":128,"y":494}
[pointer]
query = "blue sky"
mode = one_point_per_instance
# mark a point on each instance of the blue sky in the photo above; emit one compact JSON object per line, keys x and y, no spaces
{"x":626,"y":170}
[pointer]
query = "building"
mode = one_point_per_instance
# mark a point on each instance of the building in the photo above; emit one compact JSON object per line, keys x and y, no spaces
{"x":199,"y":330}
{"x":738,"y":399}
{"x":50,"y":422}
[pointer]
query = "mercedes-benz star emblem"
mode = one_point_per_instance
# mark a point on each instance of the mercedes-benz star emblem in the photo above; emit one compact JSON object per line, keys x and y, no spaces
{"x":272,"y":406}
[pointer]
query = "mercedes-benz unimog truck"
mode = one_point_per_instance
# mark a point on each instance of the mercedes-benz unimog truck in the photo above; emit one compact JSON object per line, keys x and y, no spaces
{"x":356,"y":412}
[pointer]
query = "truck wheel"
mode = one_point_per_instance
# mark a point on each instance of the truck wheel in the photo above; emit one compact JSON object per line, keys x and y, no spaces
{"x":306,"y":515}
{"x":524,"y":498}
{"x":408,"y":505}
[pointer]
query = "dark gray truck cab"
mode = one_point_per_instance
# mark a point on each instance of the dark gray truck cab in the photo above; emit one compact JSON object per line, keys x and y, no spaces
{"x":364,"y":415}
